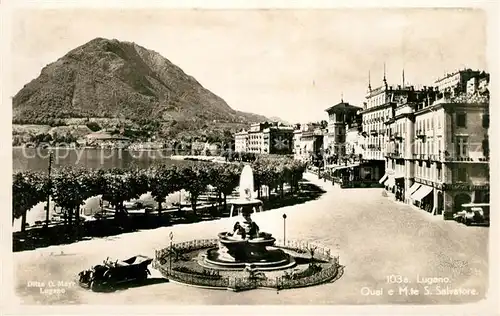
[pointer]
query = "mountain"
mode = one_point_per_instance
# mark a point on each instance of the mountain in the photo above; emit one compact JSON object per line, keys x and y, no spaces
{"x":110,"y":79}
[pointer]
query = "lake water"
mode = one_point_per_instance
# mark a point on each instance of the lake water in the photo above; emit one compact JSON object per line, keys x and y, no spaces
{"x":38,"y":158}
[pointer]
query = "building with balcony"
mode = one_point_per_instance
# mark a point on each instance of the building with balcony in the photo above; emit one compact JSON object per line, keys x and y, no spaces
{"x":241,"y":142}
{"x":438,"y":150}
{"x":378,"y":109}
{"x":308,"y":141}
{"x":265,"y":138}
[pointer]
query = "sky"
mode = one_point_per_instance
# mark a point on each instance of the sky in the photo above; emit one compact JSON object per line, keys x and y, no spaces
{"x":287,"y":63}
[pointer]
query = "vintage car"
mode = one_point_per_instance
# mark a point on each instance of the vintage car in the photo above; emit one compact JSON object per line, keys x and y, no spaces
{"x":474,"y":213}
{"x":112,"y":273}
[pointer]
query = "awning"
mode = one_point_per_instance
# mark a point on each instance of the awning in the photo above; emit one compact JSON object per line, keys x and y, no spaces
{"x":413,"y":188}
{"x":422,"y":192}
{"x":382,"y":180}
{"x":345,"y":167}
{"x":399,"y":176}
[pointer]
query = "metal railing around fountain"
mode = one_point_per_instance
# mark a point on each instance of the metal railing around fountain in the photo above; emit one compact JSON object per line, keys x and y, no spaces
{"x":326,"y":274}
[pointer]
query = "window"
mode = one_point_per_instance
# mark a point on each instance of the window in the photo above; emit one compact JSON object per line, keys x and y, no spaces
{"x":438,"y":169}
{"x":461,"y":120}
{"x":486,"y":120}
{"x":461,"y":174}
{"x":439,"y":122}
{"x":462,"y":146}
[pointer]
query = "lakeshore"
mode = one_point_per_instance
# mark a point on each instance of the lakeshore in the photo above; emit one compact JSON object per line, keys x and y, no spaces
{"x":372,"y":236}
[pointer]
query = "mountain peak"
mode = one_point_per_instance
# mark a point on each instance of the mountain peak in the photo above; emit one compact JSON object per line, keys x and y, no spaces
{"x":108,"y":78}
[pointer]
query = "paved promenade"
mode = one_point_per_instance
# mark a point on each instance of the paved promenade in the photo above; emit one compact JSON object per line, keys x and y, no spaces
{"x":380,"y":243}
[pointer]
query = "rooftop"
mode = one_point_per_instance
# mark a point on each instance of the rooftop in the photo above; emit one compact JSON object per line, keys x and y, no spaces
{"x":342,"y":106}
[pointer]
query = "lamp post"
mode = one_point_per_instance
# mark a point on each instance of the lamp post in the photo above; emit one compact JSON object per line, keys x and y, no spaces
{"x":49,"y":189}
{"x":171,"y":235}
{"x":284,"y":229}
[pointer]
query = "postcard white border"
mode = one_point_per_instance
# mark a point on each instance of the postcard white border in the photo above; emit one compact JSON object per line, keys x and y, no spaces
{"x":485,"y":307}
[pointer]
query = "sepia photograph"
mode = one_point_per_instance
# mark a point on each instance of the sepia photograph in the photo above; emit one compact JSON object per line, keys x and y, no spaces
{"x":258,"y":156}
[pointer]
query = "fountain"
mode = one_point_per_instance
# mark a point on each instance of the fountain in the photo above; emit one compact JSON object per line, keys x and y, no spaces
{"x":245,"y":244}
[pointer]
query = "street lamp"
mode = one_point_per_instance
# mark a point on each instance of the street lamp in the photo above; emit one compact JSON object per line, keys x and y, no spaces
{"x":284,"y":229}
{"x":171,"y":235}
{"x":48,"y":190}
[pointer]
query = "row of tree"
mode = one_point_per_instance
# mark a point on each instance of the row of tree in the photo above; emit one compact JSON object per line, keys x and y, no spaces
{"x":69,"y":187}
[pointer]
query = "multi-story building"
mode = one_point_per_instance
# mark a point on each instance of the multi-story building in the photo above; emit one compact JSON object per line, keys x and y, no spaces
{"x":456,"y":83}
{"x":341,"y":117}
{"x":378,"y":109}
{"x":255,"y":143}
{"x":277,"y":140}
{"x":438,"y":151}
{"x":265,"y":138}
{"x":308,"y":141}
{"x":241,"y":142}
{"x":400,"y":141}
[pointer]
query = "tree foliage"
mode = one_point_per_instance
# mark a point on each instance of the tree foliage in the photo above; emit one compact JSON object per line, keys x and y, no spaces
{"x":72,"y":186}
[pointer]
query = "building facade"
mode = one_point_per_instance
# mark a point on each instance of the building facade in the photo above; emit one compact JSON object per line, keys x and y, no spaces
{"x":265,"y":138}
{"x":379,"y":109}
{"x":438,"y":149}
{"x":241,"y":142}
{"x":308,"y":141}
{"x":278,"y":140}
{"x":341,"y":118}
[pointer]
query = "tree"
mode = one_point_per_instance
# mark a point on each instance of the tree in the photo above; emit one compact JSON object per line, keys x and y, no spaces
{"x":195,"y":180}
{"x":163,"y":180}
{"x":123,"y":185}
{"x":28,"y":189}
{"x":225,"y":178}
{"x":71,"y":187}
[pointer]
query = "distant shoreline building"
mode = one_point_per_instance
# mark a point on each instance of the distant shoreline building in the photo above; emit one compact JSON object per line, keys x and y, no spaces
{"x":106,"y":140}
{"x":265,"y":138}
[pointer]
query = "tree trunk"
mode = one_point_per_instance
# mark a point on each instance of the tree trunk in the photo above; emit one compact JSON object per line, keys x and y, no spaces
{"x":70,"y":216}
{"x":258,"y":191}
{"x":225,"y":202}
{"x":77,"y":220}
{"x":281,"y":189}
{"x":23,"y":221}
{"x":194,"y":201}
{"x":160,"y":208}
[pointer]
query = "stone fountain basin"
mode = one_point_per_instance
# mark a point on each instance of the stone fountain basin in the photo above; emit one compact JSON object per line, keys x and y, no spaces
{"x":263,"y":240}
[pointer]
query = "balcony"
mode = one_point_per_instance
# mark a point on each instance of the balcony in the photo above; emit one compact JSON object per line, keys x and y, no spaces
{"x":420,"y":133}
{"x":466,"y":159}
{"x":395,"y":154}
{"x":435,"y":157}
{"x":374,"y":132}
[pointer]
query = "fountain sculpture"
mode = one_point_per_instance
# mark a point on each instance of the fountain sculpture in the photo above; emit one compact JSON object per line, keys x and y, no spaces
{"x":245,"y":244}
